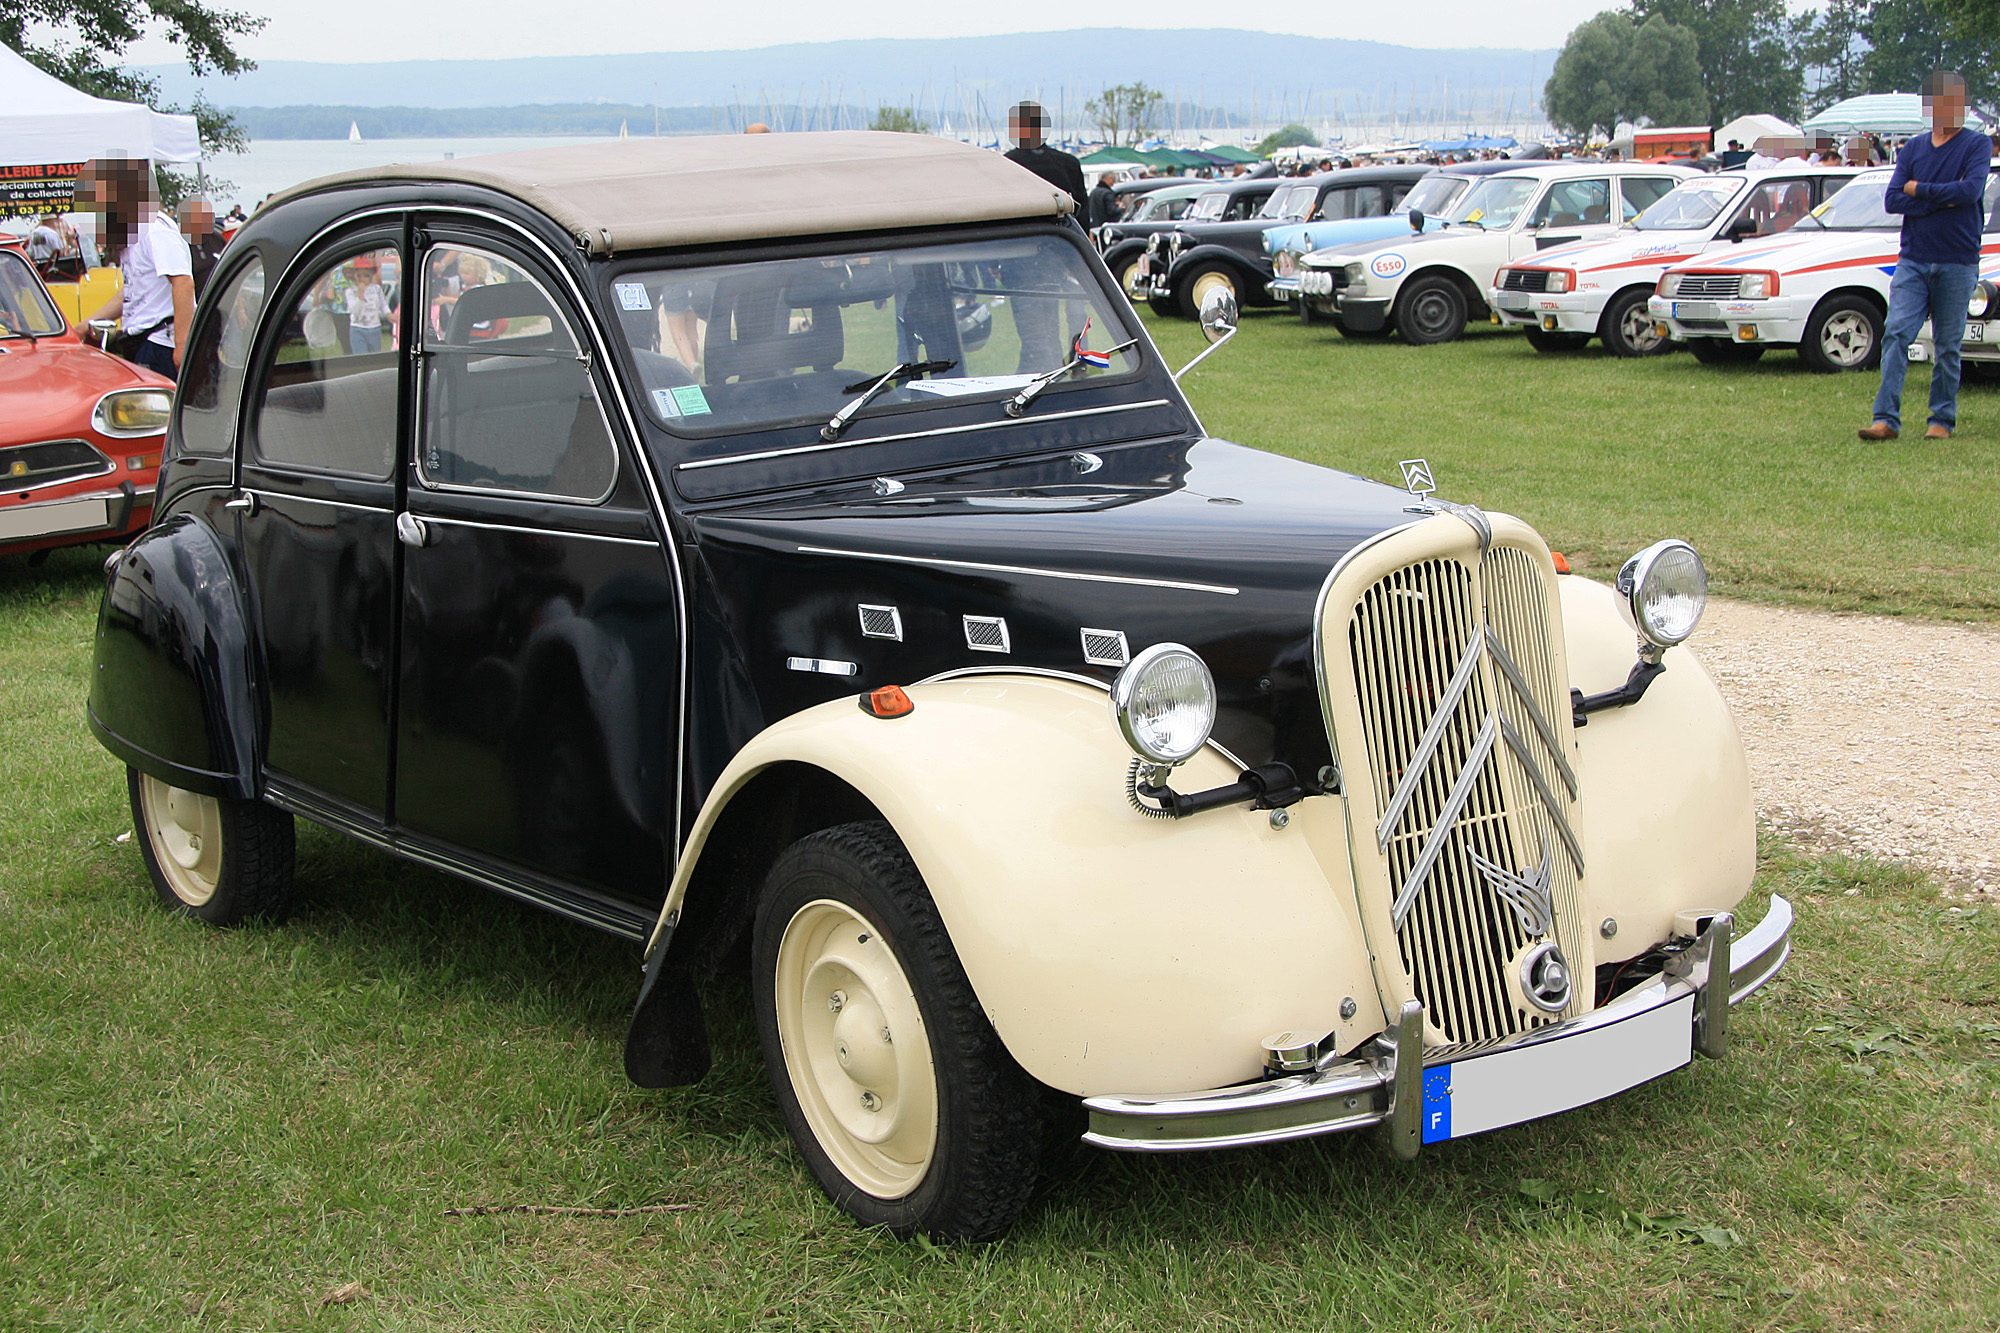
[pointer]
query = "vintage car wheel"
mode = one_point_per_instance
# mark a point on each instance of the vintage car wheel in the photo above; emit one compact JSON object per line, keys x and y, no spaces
{"x":907,"y":1108}
{"x":1127,"y":275}
{"x":222,"y":861}
{"x":1544,"y":341}
{"x":1722,"y":352}
{"x":1628,"y":328}
{"x":1208,"y":278}
{"x":1844,"y":333}
{"x":1431,"y":310}
{"x":1166,"y":307}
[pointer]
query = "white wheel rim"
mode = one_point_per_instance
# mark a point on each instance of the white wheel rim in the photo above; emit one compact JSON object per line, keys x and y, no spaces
{"x":1128,"y":278}
{"x":1846,"y":339}
{"x":186,"y":832}
{"x":1638,"y":329}
{"x":1210,"y":282}
{"x":856,"y":1050}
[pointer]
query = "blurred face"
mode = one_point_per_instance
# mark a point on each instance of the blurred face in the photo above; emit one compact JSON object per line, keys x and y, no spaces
{"x":1946,"y":106}
{"x":197,"y":220}
{"x":1026,"y":124}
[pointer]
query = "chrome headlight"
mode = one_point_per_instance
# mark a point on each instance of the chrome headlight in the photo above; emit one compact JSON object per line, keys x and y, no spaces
{"x":1669,"y":284}
{"x":1985,"y":302}
{"x":1667,"y":586}
{"x":129,"y":413}
{"x":1164,"y":703}
{"x":1357,"y":273}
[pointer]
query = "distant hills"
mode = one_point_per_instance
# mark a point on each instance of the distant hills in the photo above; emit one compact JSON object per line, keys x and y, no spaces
{"x":1252,"y":77}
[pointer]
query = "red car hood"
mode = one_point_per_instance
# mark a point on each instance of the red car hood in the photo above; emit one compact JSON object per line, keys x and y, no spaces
{"x":48,"y":387}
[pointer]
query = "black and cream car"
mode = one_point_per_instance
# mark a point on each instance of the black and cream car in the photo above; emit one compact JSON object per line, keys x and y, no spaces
{"x":850,"y":589}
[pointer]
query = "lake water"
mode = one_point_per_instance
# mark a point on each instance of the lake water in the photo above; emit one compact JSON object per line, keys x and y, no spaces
{"x":273,"y":164}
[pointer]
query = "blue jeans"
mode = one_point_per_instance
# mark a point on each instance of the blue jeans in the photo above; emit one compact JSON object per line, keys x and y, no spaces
{"x":160,"y":360}
{"x":361,"y":341}
{"x":1939,"y":293}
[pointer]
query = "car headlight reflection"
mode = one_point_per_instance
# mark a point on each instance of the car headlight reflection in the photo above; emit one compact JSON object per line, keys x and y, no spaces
{"x":1164,"y":703}
{"x":129,"y":413}
{"x":1667,"y":586}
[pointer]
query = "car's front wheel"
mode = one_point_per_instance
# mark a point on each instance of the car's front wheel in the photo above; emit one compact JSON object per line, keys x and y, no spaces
{"x":1723,"y":352}
{"x":1628,"y":327}
{"x":1844,"y":333}
{"x":1546,"y":340}
{"x":1127,"y":274}
{"x":218,"y":860}
{"x":907,"y":1108}
{"x":1431,"y":310}
{"x":1208,"y":278}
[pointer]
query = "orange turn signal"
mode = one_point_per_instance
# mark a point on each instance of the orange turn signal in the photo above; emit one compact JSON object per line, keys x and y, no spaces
{"x":889,"y":701}
{"x":1562,"y":564}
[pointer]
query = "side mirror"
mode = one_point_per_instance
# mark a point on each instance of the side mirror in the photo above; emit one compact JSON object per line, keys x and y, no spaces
{"x":1218,"y":324}
{"x":1743,"y":226}
{"x":1416,"y":219}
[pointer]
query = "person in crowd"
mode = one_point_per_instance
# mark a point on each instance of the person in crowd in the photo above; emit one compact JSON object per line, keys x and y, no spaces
{"x":204,"y":237}
{"x":365,"y":306}
{"x":157,"y":297}
{"x":1028,"y":126}
{"x":1037,"y":319}
{"x":1103,"y":202}
{"x":1939,"y":186}
{"x":237,"y":215}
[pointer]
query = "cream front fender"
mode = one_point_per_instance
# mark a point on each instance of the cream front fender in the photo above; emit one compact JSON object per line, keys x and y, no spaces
{"x":1669,"y":824}
{"x":1112,"y":952}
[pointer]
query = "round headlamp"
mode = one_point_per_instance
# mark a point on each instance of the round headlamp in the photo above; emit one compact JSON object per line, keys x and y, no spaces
{"x":1164,"y":702}
{"x":1985,"y":302}
{"x":1667,"y":586}
{"x":130,"y":413}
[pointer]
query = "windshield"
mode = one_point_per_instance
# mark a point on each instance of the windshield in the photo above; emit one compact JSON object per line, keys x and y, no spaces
{"x":1495,"y":202}
{"x":1291,"y":204}
{"x":25,"y":308}
{"x":1433,"y":194}
{"x":1690,"y":205}
{"x":736,"y":346}
{"x":1209,"y":206}
{"x":1857,"y":208}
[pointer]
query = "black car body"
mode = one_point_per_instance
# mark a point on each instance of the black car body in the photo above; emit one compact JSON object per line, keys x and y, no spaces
{"x":1124,"y":244}
{"x":658,"y":569}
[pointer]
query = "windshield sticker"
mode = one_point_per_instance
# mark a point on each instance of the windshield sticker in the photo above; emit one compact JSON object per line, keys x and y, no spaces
{"x":1475,"y":215}
{"x":968,"y":384}
{"x":1822,"y":208}
{"x":1388,"y":265}
{"x":632,"y":296}
{"x":686,"y":401}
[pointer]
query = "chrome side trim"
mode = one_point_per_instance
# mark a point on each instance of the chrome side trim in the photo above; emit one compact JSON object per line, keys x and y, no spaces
{"x":696,"y":465}
{"x":538,"y":532}
{"x":291,"y":497}
{"x":983,"y":568}
{"x":1360,"y":1091}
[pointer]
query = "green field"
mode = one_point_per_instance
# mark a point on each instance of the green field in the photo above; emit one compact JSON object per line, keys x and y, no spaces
{"x":230,"y":1130}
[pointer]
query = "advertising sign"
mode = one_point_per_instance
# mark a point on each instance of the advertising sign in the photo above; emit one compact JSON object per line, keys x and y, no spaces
{"x":30,"y":191}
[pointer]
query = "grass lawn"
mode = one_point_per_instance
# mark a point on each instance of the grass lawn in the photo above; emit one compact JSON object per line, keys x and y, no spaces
{"x":1756,"y":465}
{"x":224,"y":1130}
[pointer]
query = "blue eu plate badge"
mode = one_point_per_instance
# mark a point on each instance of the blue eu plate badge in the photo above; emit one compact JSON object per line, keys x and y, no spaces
{"x":1437,"y":1104}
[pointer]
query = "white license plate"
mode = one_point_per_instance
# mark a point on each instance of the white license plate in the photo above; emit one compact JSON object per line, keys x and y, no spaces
{"x":1697,"y":310}
{"x":1975,"y":333}
{"x":1525,"y":1083}
{"x":1514,"y":301}
{"x":46,"y":519}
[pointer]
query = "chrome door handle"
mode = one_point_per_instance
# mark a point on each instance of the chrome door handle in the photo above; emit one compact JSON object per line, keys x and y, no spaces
{"x":245,"y":503}
{"x":411,"y":530}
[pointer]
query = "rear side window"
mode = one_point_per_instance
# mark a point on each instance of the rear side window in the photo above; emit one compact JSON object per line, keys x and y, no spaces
{"x":212,"y":369}
{"x":329,"y":401}
{"x":1642,"y":192}
{"x":1576,"y":203}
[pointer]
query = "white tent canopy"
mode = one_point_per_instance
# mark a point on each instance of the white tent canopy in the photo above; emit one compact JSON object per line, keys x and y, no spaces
{"x":44,"y":120}
{"x":1747,"y":130}
{"x":1880,"y":113}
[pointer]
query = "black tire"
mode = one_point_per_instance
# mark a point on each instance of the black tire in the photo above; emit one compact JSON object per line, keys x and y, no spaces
{"x":217,"y":860}
{"x":984,"y":1152}
{"x":1978,"y":372}
{"x":1363,"y":335}
{"x":1127,"y":274}
{"x":1844,"y":333}
{"x":1431,"y":310}
{"x":1189,"y":291}
{"x":1722,"y":352}
{"x":1543,"y":340}
{"x":1627,"y":326}
{"x":1308,"y":315}
{"x":1166,"y":307}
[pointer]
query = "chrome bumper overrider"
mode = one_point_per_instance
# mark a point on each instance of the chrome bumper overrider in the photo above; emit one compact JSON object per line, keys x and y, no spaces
{"x":1374,"y":1086}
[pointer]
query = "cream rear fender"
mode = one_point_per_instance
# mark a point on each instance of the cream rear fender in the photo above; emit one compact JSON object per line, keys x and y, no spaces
{"x":1669,"y":824}
{"x":1109,"y":950}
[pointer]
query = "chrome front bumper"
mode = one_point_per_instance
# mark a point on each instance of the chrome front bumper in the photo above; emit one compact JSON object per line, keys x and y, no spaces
{"x":1644,"y":1033}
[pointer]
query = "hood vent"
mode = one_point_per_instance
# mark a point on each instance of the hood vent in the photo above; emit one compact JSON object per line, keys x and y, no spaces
{"x":881,"y":622}
{"x":987,"y":634}
{"x":1105,"y":647}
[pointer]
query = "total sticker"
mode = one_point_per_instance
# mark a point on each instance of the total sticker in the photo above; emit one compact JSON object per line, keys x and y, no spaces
{"x":1388,"y":265}
{"x":686,"y":401}
{"x":632,"y":296}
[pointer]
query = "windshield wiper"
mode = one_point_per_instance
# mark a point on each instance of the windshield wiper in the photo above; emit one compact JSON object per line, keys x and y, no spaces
{"x":870,"y":389}
{"x":1019,"y":402}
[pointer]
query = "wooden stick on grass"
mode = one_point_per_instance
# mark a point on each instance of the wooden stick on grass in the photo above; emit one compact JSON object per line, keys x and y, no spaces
{"x":484,"y":1210}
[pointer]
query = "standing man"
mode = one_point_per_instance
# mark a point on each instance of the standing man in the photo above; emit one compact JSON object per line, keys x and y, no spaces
{"x":1028,"y":125}
{"x":156,"y":298}
{"x":1103,"y":203}
{"x":1939,"y":186}
{"x":1038,"y":317}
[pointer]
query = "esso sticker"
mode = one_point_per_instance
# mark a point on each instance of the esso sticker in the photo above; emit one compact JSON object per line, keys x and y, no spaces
{"x":1388,"y":266}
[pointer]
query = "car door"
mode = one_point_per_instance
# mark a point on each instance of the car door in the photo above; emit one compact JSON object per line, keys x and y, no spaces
{"x":538,"y":716}
{"x":1570,"y":208}
{"x":315,"y":510}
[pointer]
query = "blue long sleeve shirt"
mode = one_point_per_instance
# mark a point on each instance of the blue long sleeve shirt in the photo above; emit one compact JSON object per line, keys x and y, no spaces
{"x":1942,"y":221}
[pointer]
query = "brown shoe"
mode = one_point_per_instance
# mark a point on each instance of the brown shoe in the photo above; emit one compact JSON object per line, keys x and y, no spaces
{"x":1881,"y":430}
{"x":1937,"y":432}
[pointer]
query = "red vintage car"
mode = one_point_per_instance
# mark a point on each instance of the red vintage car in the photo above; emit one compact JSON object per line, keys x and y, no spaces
{"x":80,"y":430}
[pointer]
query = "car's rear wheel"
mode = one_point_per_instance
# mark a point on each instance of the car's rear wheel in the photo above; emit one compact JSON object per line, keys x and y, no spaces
{"x":1981,"y":372}
{"x":1431,"y":310}
{"x":1208,"y":278}
{"x":218,"y":860}
{"x":899,"y":1095}
{"x":1722,"y":352}
{"x":1547,"y":340}
{"x":1844,"y":333}
{"x":1628,"y":327}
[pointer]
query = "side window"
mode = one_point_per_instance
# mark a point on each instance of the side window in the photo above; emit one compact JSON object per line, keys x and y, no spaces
{"x":212,"y":368}
{"x":1398,"y":190}
{"x":1641,"y":192}
{"x":329,"y":401}
{"x":1578,"y":203}
{"x":1777,"y":205}
{"x":509,"y":404}
{"x":1245,"y":205}
{"x":1338,"y":205}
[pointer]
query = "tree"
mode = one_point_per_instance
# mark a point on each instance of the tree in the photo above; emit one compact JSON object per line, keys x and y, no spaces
{"x":1749,"y":52}
{"x":1292,"y":136}
{"x":898,"y":120}
{"x":1910,"y":38}
{"x":1612,"y":70}
{"x":1974,"y":21}
{"x":1125,"y":113}
{"x":1834,"y":47}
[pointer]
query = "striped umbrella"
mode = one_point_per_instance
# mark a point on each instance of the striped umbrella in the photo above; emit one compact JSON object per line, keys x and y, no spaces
{"x":1879,"y":113}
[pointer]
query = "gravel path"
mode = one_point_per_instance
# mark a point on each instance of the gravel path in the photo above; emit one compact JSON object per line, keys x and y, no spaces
{"x":1867,"y":732}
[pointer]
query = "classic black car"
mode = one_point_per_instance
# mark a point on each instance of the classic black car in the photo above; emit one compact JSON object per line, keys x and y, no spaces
{"x":682,"y":566}
{"x":1123,"y":244}
{"x":1184,"y":263}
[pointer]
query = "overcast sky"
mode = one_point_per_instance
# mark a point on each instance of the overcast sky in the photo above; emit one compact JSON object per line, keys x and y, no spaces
{"x":369,"y":30}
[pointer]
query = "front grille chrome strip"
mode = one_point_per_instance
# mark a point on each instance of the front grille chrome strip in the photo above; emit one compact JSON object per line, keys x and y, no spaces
{"x":1418,"y":766}
{"x":1536,"y":716}
{"x":1454,"y":805}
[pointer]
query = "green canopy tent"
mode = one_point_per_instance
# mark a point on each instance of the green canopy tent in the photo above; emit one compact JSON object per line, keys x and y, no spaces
{"x":1232,"y":153}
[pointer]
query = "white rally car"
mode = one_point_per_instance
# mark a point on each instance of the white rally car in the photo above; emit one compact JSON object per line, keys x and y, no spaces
{"x":1566,"y":296}
{"x":1426,"y":287}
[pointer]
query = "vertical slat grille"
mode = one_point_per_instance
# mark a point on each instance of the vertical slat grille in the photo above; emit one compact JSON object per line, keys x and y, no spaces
{"x":1442,"y":654}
